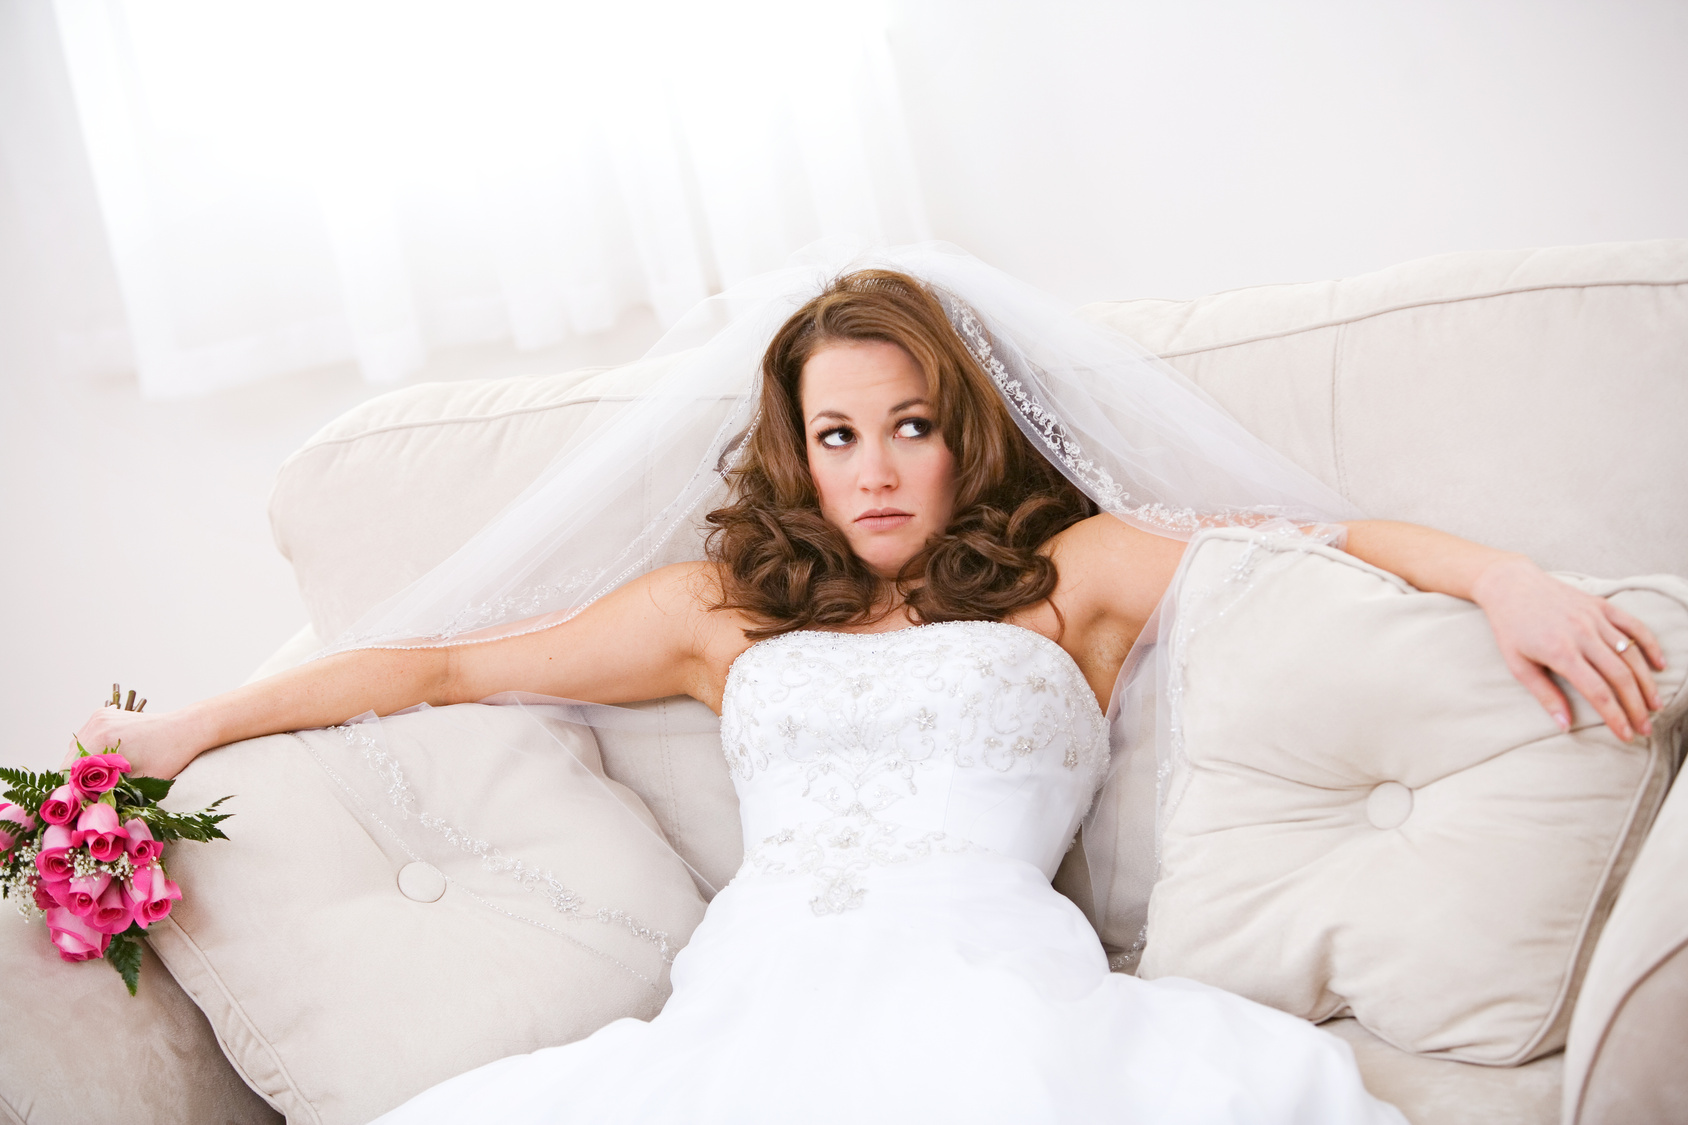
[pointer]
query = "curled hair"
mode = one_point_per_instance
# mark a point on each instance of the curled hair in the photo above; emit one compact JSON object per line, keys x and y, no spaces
{"x":786,"y":567}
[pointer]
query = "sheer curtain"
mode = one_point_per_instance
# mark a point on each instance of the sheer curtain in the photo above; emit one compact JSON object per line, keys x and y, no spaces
{"x":293,"y":184}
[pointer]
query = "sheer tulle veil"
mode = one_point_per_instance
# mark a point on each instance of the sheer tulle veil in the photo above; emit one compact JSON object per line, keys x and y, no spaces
{"x":630,"y":491}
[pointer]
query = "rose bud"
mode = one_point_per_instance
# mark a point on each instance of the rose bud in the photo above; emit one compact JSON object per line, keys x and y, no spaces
{"x":112,"y":913}
{"x":143,"y":849}
{"x":43,"y":896}
{"x":15,"y":824}
{"x":54,"y":859}
{"x":75,"y":938}
{"x":96,"y":773}
{"x":152,"y":895}
{"x":61,"y":806}
{"x":97,"y":828}
{"x":80,"y":895}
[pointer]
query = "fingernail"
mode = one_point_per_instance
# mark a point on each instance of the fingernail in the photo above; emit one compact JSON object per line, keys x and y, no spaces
{"x":1647,"y":726}
{"x":1563,"y":720}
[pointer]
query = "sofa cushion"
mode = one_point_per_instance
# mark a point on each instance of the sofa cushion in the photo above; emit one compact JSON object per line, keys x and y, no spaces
{"x":76,"y":1048}
{"x":668,"y":753}
{"x":370,"y":930}
{"x":1368,"y":815}
{"x":382,"y":494}
{"x":1441,"y":1092}
{"x":1531,"y":399}
{"x":673,"y":761}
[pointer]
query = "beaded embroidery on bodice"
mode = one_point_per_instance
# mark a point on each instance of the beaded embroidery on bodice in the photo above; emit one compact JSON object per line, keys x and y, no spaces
{"x":855,"y":750}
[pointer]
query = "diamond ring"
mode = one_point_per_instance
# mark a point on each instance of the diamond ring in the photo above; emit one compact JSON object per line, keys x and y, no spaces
{"x":1622,"y":646}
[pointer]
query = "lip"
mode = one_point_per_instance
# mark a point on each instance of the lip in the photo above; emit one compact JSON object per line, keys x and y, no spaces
{"x":883,"y":519}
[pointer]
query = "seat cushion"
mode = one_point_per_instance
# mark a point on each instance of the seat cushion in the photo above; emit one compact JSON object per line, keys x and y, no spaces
{"x":1368,"y":815}
{"x":1441,"y":1092}
{"x":76,"y":1048}
{"x":371,"y":929}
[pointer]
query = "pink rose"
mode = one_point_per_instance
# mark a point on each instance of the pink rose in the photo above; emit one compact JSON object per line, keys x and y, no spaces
{"x":151,"y":894}
{"x":112,"y":912}
{"x":96,"y":773}
{"x":80,"y":895}
{"x":15,"y":824}
{"x":61,"y":806}
{"x":143,"y":849}
{"x":75,"y":938}
{"x":53,"y":861}
{"x":97,"y":828}
{"x":43,"y":895}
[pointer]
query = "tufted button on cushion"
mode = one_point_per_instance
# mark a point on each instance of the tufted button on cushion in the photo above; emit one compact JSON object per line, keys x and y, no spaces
{"x":1389,"y":805}
{"x":1370,"y":816}
{"x":421,"y":882}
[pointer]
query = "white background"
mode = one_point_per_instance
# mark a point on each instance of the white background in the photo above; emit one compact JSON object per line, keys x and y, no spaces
{"x":1099,"y":150}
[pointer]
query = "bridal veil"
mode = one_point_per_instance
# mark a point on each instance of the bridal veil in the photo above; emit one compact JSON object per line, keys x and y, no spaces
{"x":630,"y":491}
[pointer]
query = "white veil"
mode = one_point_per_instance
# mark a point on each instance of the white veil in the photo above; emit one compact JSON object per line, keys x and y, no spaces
{"x":630,"y":491}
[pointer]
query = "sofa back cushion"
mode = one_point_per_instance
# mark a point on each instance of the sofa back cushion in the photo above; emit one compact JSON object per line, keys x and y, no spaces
{"x":1378,"y":820}
{"x":399,"y":901}
{"x":382,"y":494}
{"x":1529,"y":399}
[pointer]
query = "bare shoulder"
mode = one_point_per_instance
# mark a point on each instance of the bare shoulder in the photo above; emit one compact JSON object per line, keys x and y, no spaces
{"x":682,"y":588}
{"x":1107,"y":540}
{"x":695,"y":591}
{"x":1110,"y":568}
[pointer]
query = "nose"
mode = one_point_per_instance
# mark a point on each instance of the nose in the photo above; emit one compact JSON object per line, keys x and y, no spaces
{"x":876,"y":472}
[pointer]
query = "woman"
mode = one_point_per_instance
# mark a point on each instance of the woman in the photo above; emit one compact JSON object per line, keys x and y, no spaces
{"x":911,"y":620}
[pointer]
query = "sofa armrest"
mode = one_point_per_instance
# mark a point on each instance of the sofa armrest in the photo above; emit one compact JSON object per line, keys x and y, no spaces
{"x":1623,"y":1057}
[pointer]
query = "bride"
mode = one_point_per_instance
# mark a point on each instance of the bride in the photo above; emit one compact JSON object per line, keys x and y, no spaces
{"x":939,"y":550}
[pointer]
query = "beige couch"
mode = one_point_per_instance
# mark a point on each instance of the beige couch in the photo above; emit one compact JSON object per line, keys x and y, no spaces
{"x":1534,"y":400}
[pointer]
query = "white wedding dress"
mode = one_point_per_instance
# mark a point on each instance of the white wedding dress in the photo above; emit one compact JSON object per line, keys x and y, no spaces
{"x":892,"y":951}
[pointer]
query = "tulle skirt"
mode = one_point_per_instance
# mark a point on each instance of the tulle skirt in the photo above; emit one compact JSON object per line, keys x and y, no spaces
{"x":962,"y":989}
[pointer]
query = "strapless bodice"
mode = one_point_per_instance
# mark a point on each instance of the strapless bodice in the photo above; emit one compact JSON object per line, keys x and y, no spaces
{"x":854,"y":750}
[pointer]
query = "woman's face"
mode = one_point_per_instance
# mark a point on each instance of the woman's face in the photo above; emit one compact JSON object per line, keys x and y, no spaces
{"x":884,"y":475}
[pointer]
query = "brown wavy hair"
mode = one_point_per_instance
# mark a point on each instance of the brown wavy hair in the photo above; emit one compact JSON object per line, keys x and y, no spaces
{"x":786,"y":567}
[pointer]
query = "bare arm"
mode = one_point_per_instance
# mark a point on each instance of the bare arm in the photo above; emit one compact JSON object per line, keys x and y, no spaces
{"x":644,"y":640}
{"x":1541,"y":624}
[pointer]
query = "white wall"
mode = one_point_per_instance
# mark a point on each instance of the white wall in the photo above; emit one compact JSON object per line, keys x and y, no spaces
{"x":1177,"y":148}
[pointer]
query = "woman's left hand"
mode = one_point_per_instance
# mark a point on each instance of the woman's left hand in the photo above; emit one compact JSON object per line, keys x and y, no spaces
{"x":1544,"y":625}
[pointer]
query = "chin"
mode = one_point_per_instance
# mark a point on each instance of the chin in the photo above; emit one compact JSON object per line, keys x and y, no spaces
{"x":886,"y":563}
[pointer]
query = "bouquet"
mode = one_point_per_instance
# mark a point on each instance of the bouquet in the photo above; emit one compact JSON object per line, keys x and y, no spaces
{"x":85,"y":847}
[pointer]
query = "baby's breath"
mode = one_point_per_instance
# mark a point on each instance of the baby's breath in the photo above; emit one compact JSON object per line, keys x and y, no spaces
{"x":19,"y":886}
{"x":83,"y":865}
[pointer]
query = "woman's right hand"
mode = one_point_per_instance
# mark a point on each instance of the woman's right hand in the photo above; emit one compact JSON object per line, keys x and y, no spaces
{"x":156,"y":745}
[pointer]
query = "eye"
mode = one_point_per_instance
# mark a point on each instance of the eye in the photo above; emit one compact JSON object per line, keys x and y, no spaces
{"x":837,"y":437}
{"x":913,"y":428}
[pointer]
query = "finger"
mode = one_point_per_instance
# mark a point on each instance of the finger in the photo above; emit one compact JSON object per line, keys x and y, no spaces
{"x":1634,"y":656}
{"x":1620,"y":677}
{"x":1541,"y":685}
{"x":1592,"y":686}
{"x":1639,"y":633}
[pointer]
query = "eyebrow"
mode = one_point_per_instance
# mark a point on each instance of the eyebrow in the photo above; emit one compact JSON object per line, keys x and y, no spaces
{"x":842,"y":417}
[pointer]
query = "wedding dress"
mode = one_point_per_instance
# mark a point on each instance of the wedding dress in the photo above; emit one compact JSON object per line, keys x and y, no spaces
{"x":891,"y":949}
